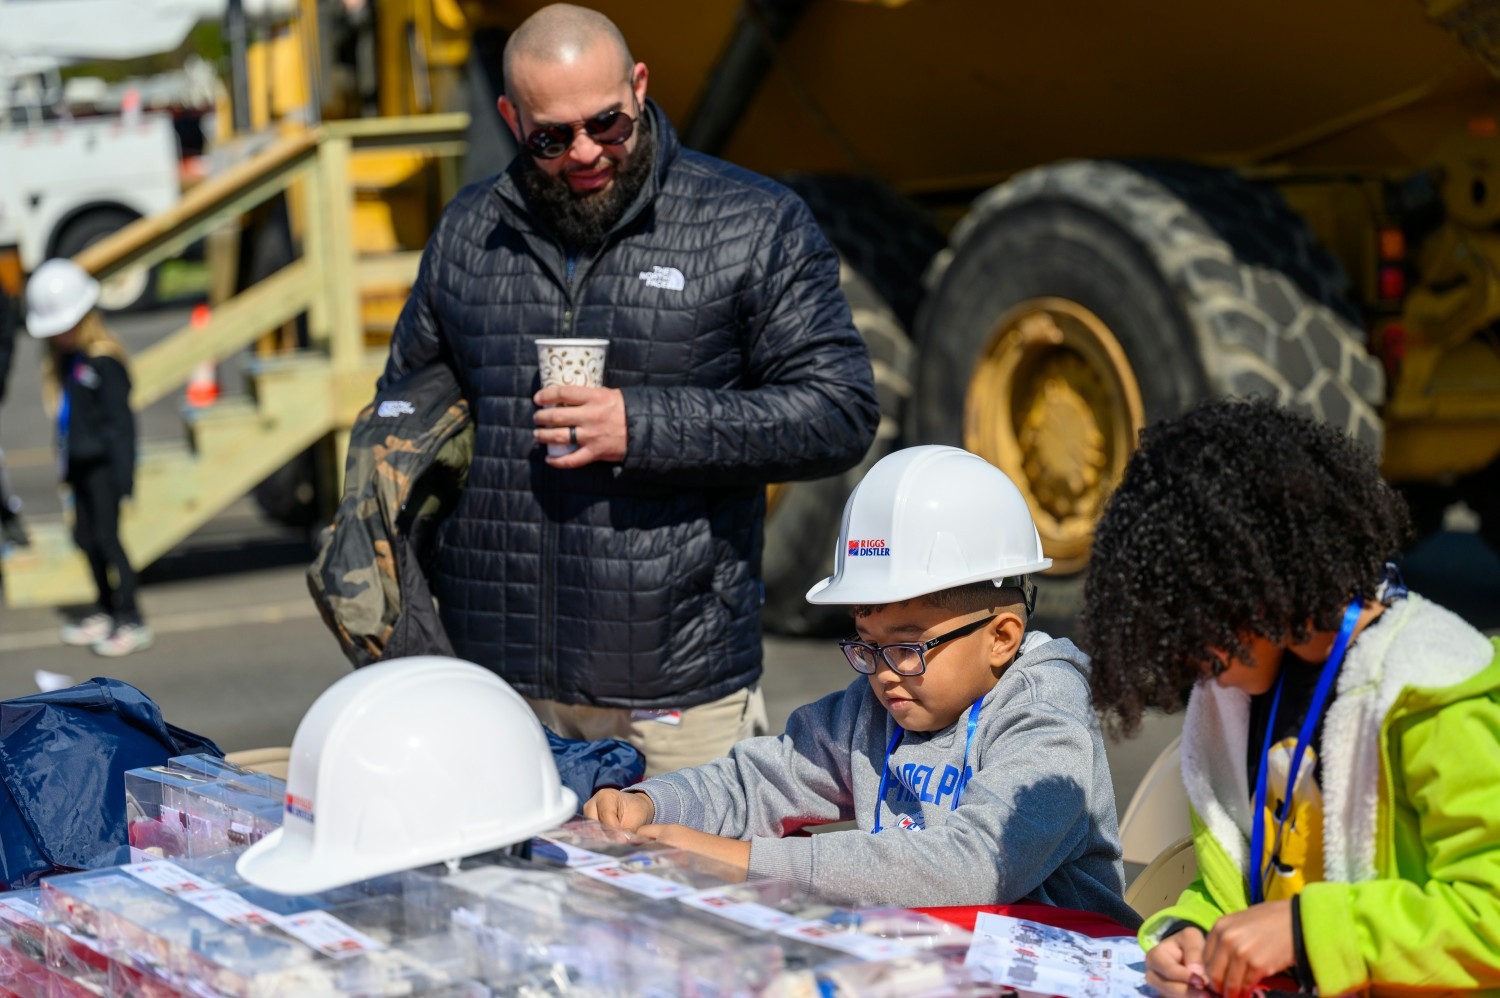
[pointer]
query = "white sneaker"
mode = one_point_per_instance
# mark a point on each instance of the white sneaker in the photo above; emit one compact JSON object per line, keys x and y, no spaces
{"x":125,"y":639}
{"x":88,"y":631}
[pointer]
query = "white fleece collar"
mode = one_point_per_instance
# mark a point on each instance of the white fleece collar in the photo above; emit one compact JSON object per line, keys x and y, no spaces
{"x":1414,"y":643}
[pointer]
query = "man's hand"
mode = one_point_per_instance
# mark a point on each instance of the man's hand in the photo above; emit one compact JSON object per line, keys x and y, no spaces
{"x":731,"y":852}
{"x":1248,"y":946}
{"x":1175,"y":965}
{"x":620,"y":809}
{"x":597,"y":416}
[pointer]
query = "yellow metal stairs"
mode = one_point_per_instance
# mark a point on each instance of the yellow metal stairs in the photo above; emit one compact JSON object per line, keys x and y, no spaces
{"x":231,"y":446}
{"x":296,"y":399}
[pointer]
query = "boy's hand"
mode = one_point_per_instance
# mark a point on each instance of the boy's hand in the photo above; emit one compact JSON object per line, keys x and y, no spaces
{"x":731,"y":852}
{"x":1175,"y":965}
{"x":1248,"y":946}
{"x":620,"y":809}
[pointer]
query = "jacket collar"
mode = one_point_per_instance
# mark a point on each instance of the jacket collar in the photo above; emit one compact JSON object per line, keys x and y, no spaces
{"x":1416,"y":655}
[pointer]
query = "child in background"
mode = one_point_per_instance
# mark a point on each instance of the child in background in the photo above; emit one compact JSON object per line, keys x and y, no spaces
{"x":967,"y":751}
{"x":88,"y":388}
{"x":1341,"y":749}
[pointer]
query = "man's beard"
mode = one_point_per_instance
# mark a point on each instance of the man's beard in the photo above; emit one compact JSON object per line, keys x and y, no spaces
{"x":582,"y":221}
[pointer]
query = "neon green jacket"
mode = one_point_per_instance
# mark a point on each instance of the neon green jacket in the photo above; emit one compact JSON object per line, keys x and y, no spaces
{"x":1411,"y":788}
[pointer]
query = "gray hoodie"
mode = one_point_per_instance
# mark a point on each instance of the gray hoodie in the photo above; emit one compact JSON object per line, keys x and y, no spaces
{"x":1035,"y":819}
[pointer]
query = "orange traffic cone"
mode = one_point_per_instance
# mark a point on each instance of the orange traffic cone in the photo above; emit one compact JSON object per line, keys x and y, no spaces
{"x":203,"y":385}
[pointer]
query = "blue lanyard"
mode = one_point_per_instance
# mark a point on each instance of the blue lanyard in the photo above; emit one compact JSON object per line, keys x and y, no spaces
{"x":1304,"y":739}
{"x":885,"y":773}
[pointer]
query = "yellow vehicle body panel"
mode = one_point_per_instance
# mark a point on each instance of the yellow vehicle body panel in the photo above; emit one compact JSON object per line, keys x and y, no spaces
{"x":934,"y":94}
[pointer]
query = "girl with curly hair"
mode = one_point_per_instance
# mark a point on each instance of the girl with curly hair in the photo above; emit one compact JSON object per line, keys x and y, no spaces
{"x":1341,"y":747}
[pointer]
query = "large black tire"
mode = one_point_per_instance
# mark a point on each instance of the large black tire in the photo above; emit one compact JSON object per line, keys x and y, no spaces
{"x":802,"y":527}
{"x":1481,"y":491}
{"x":1209,"y":284}
{"x":885,"y":244}
{"x":882,"y":235}
{"x":126,"y":292}
{"x":296,"y":494}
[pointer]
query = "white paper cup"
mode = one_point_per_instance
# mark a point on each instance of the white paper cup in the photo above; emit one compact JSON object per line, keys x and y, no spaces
{"x":571,"y":361}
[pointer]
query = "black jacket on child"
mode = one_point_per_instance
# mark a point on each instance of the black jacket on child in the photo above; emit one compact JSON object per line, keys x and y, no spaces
{"x":101,"y":427}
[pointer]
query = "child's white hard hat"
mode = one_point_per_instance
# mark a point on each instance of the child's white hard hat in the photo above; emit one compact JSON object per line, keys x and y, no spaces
{"x":403,"y":764}
{"x":58,"y":296}
{"x":930,"y":518}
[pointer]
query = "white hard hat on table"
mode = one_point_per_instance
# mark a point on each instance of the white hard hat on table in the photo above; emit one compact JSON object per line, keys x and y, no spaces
{"x":929,"y":518}
{"x":403,"y":764}
{"x":58,"y":295}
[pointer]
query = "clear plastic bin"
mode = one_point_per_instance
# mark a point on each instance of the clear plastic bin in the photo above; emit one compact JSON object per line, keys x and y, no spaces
{"x":176,"y":813}
{"x":194,"y":927}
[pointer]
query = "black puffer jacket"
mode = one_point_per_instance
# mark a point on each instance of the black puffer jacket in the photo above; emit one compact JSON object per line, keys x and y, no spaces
{"x":636,"y":585}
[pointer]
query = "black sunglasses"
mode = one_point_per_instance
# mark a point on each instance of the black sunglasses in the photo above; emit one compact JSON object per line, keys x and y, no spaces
{"x":906,"y":658}
{"x":608,"y":128}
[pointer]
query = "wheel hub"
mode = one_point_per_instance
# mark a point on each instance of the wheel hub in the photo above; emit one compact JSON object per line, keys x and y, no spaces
{"x":1054,"y":403}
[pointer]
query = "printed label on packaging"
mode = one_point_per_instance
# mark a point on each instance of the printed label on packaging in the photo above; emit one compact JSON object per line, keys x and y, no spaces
{"x":168,"y":877}
{"x":858,"y":944}
{"x":568,"y":855}
{"x":227,"y":906}
{"x":751,"y":913}
{"x":643,"y":884}
{"x":19,"y":911}
{"x":109,"y":882}
{"x":328,"y":935}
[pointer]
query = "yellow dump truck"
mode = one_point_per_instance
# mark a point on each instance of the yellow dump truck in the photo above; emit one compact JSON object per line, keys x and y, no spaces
{"x":1064,"y":221}
{"x":1143,"y":206}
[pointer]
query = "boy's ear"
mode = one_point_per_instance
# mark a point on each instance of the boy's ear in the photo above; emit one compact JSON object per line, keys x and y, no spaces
{"x":1006,"y":632}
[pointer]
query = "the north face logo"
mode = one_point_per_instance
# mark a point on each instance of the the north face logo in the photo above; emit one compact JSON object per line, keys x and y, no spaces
{"x":664,"y":277}
{"x":395,"y":409}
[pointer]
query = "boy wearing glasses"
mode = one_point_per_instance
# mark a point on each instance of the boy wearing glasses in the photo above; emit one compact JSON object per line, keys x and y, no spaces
{"x":968,"y":751}
{"x":1341,"y":747}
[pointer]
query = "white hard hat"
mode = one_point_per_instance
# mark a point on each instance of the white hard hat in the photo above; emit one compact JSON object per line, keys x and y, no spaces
{"x":929,"y":518}
{"x":406,"y":763}
{"x":58,"y":295}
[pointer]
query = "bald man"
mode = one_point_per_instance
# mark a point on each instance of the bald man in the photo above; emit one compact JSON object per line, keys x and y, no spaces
{"x":618,"y":586}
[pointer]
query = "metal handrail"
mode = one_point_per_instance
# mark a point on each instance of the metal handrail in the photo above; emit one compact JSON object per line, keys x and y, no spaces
{"x":324,"y":283}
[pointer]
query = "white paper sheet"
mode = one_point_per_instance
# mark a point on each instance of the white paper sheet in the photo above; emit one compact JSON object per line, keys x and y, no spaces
{"x":1030,"y":956}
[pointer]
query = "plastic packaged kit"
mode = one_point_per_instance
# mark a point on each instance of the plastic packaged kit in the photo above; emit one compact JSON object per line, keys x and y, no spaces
{"x":583,"y":842}
{"x":532,"y":933}
{"x":163,"y":928}
{"x":23,"y":951}
{"x":198,"y":806}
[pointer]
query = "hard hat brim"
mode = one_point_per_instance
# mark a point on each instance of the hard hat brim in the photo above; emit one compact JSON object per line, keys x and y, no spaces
{"x":44,"y":328}
{"x":296,"y":866}
{"x":838,"y":592}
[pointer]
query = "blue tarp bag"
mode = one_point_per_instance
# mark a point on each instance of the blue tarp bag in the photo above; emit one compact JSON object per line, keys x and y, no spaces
{"x":63,"y":757}
{"x":585,"y":767}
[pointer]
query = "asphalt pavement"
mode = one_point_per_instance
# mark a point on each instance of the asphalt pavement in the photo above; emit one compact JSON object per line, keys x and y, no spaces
{"x":241,"y":653}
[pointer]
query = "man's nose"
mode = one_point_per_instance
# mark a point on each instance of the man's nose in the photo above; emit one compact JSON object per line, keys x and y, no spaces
{"x":584,"y":150}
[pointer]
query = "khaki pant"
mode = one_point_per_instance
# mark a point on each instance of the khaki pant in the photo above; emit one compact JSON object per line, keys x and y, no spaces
{"x":669,"y":740}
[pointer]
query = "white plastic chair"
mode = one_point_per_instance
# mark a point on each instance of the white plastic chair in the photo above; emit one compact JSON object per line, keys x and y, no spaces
{"x":273,"y":761}
{"x":1157,"y":815}
{"x":1162,"y":882}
